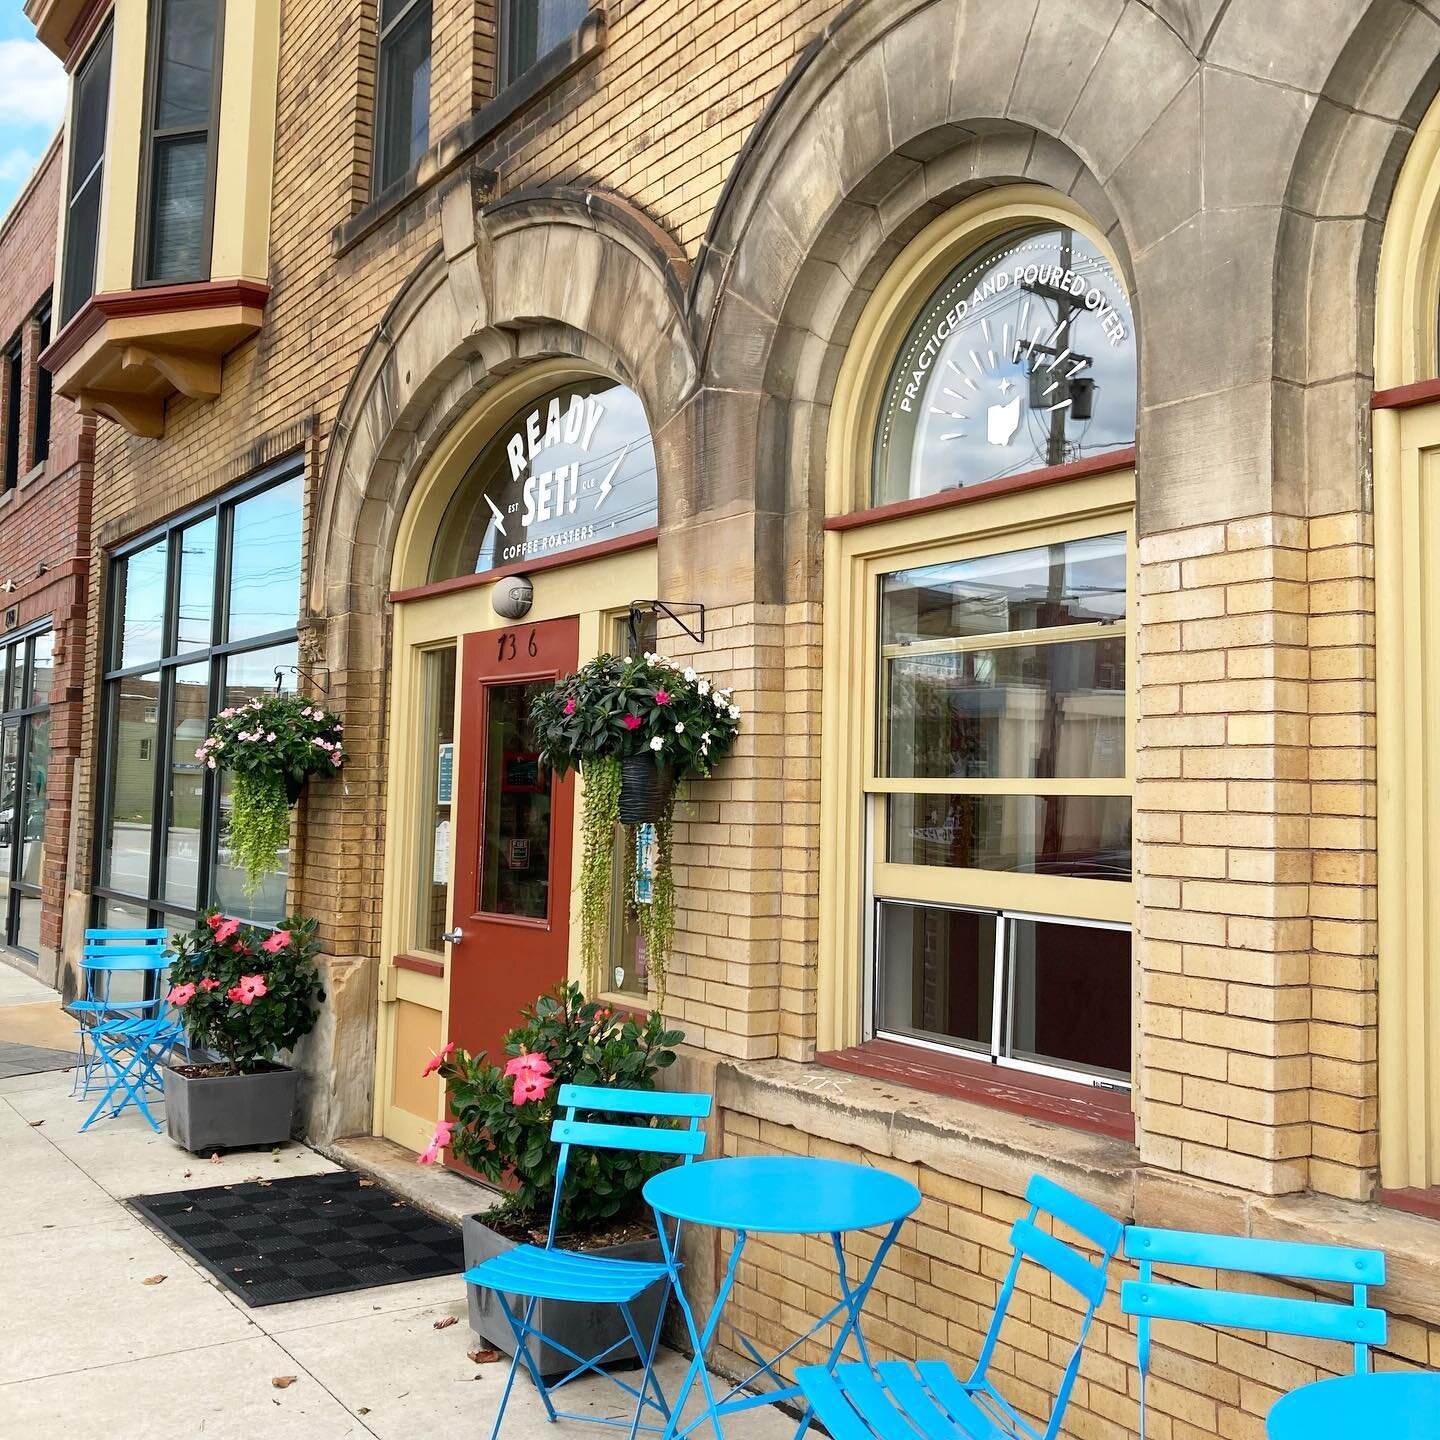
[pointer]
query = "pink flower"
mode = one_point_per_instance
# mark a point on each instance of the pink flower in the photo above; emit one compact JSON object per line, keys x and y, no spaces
{"x":225,"y":930}
{"x":207,"y":984}
{"x":532,"y":1075}
{"x":441,"y":1138}
{"x":662,"y":697}
{"x":250,"y":989}
{"x":215,"y":920}
{"x":179,"y":994}
{"x":436,"y":1061}
{"x":570,"y":706}
{"x":277,"y":942}
{"x":334,"y":757}
{"x":631,"y":722}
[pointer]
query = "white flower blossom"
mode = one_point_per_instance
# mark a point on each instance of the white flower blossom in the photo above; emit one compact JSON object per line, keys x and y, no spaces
{"x":734,"y":712}
{"x":656,"y":743}
{"x":680,"y":728}
{"x":703,"y":687}
{"x":689,"y":673}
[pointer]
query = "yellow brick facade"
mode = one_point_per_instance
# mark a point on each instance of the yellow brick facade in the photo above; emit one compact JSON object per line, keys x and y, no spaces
{"x":700,"y":204}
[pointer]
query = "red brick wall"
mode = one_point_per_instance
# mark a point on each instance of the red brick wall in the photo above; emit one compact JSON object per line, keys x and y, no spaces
{"x":45,"y":520}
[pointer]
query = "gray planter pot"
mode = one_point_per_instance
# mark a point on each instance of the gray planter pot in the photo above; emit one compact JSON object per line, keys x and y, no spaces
{"x":227,"y":1112}
{"x":586,"y":1329}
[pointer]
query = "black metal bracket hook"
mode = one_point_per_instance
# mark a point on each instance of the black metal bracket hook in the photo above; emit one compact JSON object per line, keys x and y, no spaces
{"x":322,"y":685}
{"x":671,"y":610}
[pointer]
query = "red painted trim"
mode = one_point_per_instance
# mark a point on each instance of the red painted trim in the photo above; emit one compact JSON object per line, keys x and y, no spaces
{"x":421,"y":967}
{"x":80,"y":34}
{"x":1402,"y":397}
{"x":637,"y":541}
{"x":1415,"y":1202}
{"x":152,"y":300}
{"x":1030,"y":480}
{"x":1041,"y":1097}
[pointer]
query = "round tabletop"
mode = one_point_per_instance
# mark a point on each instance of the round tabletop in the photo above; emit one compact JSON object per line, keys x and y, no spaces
{"x":1393,"y":1405}
{"x":781,"y":1194}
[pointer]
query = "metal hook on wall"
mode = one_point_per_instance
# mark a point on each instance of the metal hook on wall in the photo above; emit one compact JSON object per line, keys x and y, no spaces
{"x":671,"y":610}
{"x":322,"y":685}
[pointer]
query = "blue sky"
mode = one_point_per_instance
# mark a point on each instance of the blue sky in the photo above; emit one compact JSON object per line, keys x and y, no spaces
{"x":32,"y":100}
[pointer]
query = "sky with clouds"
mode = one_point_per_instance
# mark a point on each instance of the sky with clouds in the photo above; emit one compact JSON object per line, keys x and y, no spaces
{"x":32,"y":100}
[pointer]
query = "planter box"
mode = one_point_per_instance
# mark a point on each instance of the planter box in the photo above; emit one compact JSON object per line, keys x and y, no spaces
{"x":586,"y":1329}
{"x":227,"y":1112}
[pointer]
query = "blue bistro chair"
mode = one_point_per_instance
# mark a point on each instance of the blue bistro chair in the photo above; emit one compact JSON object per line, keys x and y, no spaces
{"x":532,"y":1274}
{"x":899,"y":1401}
{"x":123,"y":1036}
{"x":1357,"y":1324}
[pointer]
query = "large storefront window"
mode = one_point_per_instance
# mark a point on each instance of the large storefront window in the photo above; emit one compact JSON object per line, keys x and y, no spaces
{"x":26,"y":667}
{"x":1022,"y":359}
{"x":202,"y":616}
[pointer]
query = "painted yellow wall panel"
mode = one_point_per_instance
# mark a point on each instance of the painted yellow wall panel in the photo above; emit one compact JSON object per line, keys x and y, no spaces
{"x":115,"y":262}
{"x":417,"y":1037}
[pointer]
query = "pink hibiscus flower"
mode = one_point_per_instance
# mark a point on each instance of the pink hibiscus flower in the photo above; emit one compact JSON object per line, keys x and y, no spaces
{"x":179,"y":994}
{"x":436,"y":1061}
{"x":215,"y":921}
{"x":631,"y":722}
{"x":532,"y":1075}
{"x":250,"y":989}
{"x":225,"y":930}
{"x":278,"y":941}
{"x":207,"y":984}
{"x":570,"y":706}
{"x":441,"y":1138}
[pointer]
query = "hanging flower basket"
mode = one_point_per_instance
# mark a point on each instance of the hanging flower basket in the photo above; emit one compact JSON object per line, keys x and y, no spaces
{"x":634,"y":728}
{"x":271,"y":747}
{"x":645,"y":790}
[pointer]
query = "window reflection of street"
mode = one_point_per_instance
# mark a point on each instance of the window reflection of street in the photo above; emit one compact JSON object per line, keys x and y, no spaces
{"x":26,"y":668}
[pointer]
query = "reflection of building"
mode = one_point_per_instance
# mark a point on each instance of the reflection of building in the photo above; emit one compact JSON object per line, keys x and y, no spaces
{"x":44,"y":518}
{"x":1127,"y":865}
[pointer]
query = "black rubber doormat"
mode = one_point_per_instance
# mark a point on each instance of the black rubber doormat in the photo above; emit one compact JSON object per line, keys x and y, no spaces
{"x":305,"y":1235}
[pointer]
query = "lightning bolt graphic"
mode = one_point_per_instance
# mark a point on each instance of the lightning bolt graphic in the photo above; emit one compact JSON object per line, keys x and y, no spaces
{"x":499,"y":518}
{"x":605,"y":486}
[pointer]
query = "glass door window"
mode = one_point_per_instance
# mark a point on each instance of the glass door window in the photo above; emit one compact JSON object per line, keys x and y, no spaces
{"x":515,"y":848}
{"x":27,"y":667}
{"x":437,"y":780}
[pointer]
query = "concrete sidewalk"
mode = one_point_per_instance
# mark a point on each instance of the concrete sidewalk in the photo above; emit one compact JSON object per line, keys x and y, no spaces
{"x":90,"y":1351}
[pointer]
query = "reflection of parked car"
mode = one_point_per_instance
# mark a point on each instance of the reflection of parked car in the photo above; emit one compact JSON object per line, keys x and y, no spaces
{"x":7,"y":825}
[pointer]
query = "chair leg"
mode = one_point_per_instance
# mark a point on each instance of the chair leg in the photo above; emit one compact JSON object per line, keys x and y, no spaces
{"x":648,"y":1379}
{"x":522,"y":1332}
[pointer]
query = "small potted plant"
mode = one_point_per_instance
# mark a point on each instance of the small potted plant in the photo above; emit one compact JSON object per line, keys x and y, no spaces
{"x":272,"y":746}
{"x":500,"y":1127}
{"x":245,"y":995}
{"x":633,"y":727}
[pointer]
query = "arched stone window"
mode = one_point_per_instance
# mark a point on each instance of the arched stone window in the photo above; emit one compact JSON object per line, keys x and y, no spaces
{"x":1022,"y":358}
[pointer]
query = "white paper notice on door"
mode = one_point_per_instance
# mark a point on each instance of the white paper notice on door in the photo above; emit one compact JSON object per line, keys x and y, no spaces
{"x":441,"y":870}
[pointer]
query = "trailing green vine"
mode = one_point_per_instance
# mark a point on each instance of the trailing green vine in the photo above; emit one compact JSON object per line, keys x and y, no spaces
{"x":600,"y":815}
{"x":259,"y":824}
{"x":657,"y":919}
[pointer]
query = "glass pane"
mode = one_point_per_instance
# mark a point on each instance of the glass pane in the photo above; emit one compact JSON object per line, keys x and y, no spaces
{"x":117,"y":915}
{"x":515,"y":853}
{"x":6,"y":693}
{"x":248,"y":677}
{"x":42,"y":668}
{"x":27,"y":923}
{"x":403,"y":127}
{"x":575,"y":468}
{"x":186,"y":64}
{"x":140,"y":588}
{"x":936,"y":973}
{"x":9,"y":800}
{"x":36,"y":793}
{"x":187,"y":785}
{"x":1079,"y":582}
{"x":177,"y":209}
{"x":197,"y":586}
{"x":265,"y":562}
{"x":1024,"y":712}
{"x":1023,"y":358}
{"x":628,"y":966}
{"x":130,"y":763}
{"x":533,"y":28}
{"x":91,"y":106}
{"x":1084,"y":836}
{"x":1070,"y":995}
{"x":437,"y":785}
{"x":81,"y":240}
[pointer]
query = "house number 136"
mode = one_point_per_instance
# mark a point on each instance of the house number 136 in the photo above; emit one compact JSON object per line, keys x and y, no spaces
{"x":506,"y":647}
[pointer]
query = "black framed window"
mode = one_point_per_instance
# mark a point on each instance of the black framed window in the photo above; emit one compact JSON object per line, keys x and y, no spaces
{"x":531,"y":29}
{"x":402,"y":99}
{"x":40,"y":451}
{"x":90,"y":107}
{"x":14,"y":374}
{"x":201,"y":615}
{"x":179,"y":160}
{"x":26,"y":668}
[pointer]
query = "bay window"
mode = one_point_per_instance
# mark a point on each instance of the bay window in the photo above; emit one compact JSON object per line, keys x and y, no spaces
{"x":202,"y":616}
{"x":89,"y":112}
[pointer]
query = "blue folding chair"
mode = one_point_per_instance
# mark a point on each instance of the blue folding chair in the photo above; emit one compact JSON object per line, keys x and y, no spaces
{"x":532,"y":1274}
{"x":895,"y":1400}
{"x":123,"y":1038}
{"x":1356,"y":1324}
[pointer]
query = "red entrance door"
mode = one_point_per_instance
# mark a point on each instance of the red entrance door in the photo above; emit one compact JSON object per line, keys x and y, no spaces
{"x":513,"y":834}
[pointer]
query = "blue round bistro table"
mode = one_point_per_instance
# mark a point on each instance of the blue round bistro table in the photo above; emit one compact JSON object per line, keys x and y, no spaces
{"x":774,"y":1195}
{"x":1393,"y":1405}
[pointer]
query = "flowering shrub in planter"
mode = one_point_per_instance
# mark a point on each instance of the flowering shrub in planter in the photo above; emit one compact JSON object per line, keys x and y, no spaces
{"x":271,"y":746}
{"x":612,"y":717}
{"x":501,"y":1113}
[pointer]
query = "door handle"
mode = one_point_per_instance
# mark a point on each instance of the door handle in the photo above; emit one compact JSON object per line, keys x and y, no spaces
{"x":453,"y":937}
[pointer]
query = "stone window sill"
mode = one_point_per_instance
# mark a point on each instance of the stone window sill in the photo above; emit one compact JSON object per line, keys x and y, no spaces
{"x":972,"y":1142}
{"x":1081,"y":1107}
{"x":459,"y":143}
